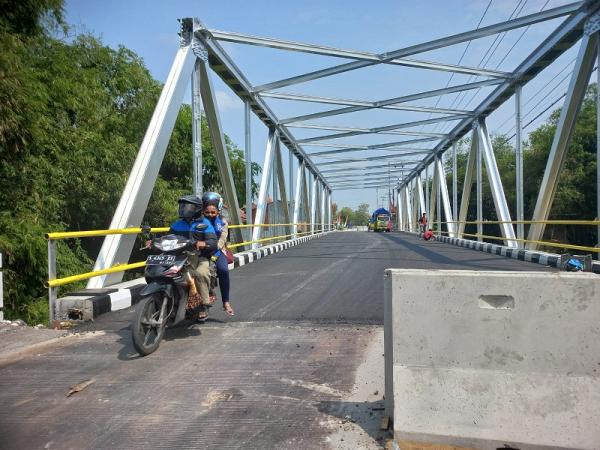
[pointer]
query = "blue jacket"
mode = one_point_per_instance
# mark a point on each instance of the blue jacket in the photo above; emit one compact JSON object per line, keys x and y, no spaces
{"x":218,"y":223}
{"x":190,"y":231}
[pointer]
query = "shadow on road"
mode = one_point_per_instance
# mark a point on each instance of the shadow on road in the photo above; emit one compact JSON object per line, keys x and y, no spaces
{"x":184,"y":330}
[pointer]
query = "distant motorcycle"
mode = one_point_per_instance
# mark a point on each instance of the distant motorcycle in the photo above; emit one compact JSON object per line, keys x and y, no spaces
{"x":165,"y":297}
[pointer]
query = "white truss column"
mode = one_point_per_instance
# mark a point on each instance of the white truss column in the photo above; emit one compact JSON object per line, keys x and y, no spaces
{"x":306,"y":206}
{"x":454,"y":188}
{"x":298,"y":197}
{"x":564,"y":131}
{"x":197,"y":129}
{"x":427,"y":209}
{"x":422,"y":208}
{"x":433,"y":197}
{"x":444,"y":198}
{"x":479,"y":188}
{"x":409,"y":222}
{"x":467,"y":184}
{"x":415,"y":204}
{"x":502,"y":212}
{"x":282,"y":188}
{"x":313,"y":205}
{"x":263,"y":191}
{"x":519,"y":167}
{"x":248,"y":158}
{"x":130,"y":211}
{"x":323,"y":205}
{"x":220,"y":149}
{"x":399,"y":210}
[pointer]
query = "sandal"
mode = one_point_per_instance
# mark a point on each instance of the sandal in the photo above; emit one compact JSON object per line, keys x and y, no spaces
{"x":202,"y":315}
{"x":228,"y":309}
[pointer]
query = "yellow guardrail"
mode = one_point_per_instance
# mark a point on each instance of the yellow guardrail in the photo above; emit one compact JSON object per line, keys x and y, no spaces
{"x":530,"y":222}
{"x":528,"y":241}
{"x":85,"y":276}
{"x":94,"y":233}
{"x":56,"y":282}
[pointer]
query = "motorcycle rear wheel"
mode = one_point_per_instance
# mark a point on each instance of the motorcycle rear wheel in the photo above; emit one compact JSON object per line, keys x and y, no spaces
{"x":146,"y":333}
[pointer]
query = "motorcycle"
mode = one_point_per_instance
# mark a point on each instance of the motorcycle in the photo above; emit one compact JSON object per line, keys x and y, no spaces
{"x":165,"y":297}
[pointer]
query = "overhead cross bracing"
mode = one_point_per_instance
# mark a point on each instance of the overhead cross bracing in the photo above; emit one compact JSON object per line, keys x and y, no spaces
{"x":354,"y":123}
{"x":422,"y":141}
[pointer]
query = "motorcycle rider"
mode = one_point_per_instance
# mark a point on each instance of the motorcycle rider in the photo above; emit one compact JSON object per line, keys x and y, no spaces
{"x":205,"y":242}
{"x":212,"y":203}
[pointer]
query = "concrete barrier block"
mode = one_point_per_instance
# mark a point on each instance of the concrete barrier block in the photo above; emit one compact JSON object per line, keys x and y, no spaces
{"x":487,"y":359}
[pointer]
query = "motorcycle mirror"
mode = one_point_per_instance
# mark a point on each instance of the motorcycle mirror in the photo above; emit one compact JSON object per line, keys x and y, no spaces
{"x":146,"y":229}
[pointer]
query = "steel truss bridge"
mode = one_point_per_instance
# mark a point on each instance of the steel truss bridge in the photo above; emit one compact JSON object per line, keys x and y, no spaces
{"x":416,"y":158}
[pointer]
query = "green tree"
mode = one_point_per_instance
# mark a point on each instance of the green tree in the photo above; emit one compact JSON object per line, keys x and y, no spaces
{"x":346,"y":214}
{"x":72,"y":117}
{"x":361,"y":215}
{"x":576,"y":189}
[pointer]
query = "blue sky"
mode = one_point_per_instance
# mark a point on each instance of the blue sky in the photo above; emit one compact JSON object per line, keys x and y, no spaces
{"x":150,"y":29}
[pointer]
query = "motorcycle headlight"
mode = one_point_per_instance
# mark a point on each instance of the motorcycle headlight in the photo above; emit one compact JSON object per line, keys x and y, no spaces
{"x":167,"y":245}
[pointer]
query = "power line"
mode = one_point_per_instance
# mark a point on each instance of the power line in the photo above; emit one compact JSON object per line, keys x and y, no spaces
{"x":499,"y":38}
{"x":540,"y":90}
{"x":516,"y":11}
{"x":544,"y":110}
{"x":466,"y":105}
{"x":540,"y":114}
{"x":507,"y":53}
{"x":463,"y":53}
{"x":536,"y":105}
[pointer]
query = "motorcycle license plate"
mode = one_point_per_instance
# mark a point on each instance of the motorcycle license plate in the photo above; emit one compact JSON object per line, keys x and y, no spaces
{"x":160,"y":260}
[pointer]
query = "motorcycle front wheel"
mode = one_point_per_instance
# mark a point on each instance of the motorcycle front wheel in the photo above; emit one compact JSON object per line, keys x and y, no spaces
{"x":147,"y":330}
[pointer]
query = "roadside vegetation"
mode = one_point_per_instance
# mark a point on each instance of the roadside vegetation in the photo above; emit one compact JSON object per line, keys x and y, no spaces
{"x":73,"y":113}
{"x":353,"y":217}
{"x":576,"y":189}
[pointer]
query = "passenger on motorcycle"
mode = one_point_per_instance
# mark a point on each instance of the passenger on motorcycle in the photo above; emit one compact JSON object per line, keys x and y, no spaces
{"x":213,"y":205}
{"x":190,"y":216}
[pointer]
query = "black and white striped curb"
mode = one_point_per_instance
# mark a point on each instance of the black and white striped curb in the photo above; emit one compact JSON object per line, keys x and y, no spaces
{"x":546,"y":259}
{"x":88,"y":304}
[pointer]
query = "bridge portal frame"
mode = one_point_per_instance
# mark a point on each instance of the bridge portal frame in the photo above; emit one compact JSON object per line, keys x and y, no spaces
{"x":200,"y":48}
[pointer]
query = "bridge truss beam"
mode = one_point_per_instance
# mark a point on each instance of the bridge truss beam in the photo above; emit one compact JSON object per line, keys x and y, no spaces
{"x":425,"y":47}
{"x":136,"y":194}
{"x":582,"y":71}
{"x":502,"y":212}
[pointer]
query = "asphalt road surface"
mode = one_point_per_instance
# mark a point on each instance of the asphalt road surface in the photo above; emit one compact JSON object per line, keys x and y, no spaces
{"x":287,"y":371}
{"x":339,"y":278}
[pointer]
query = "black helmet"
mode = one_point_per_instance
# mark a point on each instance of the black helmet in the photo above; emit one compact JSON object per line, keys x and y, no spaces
{"x":190,"y":207}
{"x":212,"y":198}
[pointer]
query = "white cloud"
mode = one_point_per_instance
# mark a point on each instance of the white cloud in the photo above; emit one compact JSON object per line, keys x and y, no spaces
{"x":227,"y":101}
